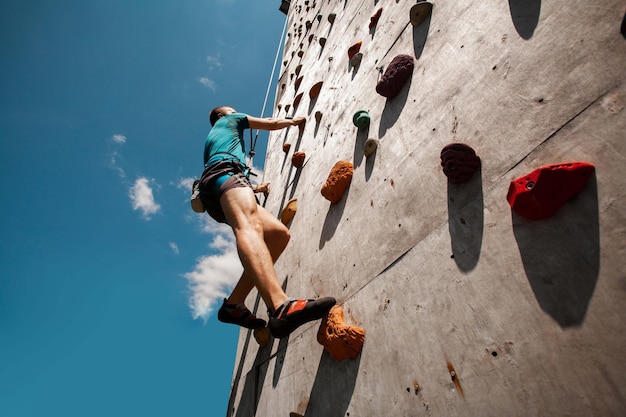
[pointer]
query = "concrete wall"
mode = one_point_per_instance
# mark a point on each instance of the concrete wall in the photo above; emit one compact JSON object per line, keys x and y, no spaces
{"x":529,"y":314}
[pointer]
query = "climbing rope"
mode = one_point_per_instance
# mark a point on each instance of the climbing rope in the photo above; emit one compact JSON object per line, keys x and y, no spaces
{"x":267,"y":93}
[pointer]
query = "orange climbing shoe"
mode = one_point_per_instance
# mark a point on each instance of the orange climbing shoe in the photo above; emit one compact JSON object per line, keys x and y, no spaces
{"x":294,"y":313}
{"x":240,"y":315}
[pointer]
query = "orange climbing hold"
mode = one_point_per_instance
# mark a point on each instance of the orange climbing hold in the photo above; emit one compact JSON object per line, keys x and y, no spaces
{"x":542,"y":192}
{"x":298,"y":159}
{"x":338,"y":181}
{"x":340,"y":340}
{"x":289,"y":211}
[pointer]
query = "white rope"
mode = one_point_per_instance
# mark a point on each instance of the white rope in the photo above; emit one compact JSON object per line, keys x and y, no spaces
{"x":267,"y":93}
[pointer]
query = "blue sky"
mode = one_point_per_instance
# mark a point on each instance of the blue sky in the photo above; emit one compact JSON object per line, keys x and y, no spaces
{"x":108,"y":280}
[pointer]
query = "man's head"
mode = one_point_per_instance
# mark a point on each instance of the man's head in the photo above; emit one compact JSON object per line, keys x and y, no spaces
{"x":220,"y":111}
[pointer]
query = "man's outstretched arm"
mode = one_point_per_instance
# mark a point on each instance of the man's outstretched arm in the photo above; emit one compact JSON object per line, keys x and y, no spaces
{"x":271,"y":123}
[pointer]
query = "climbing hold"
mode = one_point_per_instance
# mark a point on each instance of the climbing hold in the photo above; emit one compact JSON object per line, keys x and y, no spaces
{"x":297,"y":159}
{"x":287,"y":107}
{"x":338,"y":181}
{"x":370,"y":146}
{"x":298,"y":82}
{"x":296,"y":100}
{"x":262,"y":336}
{"x":542,"y":192}
{"x":419,"y":12}
{"x":374,"y":19}
{"x":354,"y":49}
{"x":397,"y":73}
{"x":289,"y":211}
{"x":308,"y":24}
{"x":459,"y":162}
{"x":301,"y":53}
{"x":315,"y":90}
{"x":322,"y":42}
{"x":331,"y":18}
{"x":286,"y":147}
{"x":355,"y":61}
{"x":285,"y":62}
{"x":311,"y":36}
{"x":319,"y":17}
{"x":298,"y":69}
{"x":361,"y":119}
{"x":340,"y":340}
{"x":280,"y":106}
{"x":318,"y":116}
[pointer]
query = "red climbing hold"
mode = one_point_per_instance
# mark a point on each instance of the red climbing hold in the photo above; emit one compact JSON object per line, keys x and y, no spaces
{"x":459,"y":162}
{"x":374,"y":19}
{"x":542,"y":192}
{"x":354,"y":49}
{"x":398,"y":72}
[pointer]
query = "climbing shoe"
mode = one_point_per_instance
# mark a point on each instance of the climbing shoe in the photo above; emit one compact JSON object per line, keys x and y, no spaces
{"x":240,"y":315}
{"x":294,"y":313}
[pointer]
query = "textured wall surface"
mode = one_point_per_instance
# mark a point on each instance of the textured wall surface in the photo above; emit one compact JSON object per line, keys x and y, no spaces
{"x":469,"y":309}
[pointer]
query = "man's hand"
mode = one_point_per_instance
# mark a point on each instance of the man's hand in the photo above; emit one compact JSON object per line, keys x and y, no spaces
{"x":298,"y":120}
{"x":264,"y":188}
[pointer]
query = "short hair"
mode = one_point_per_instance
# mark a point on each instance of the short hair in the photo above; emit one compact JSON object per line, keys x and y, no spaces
{"x":215,"y":115}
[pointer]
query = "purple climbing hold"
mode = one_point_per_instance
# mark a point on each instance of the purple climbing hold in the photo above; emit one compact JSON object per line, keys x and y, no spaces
{"x":397,"y":74}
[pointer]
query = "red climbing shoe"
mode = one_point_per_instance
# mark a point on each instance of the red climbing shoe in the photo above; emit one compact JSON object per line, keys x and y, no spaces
{"x":240,"y":315}
{"x":294,"y":313}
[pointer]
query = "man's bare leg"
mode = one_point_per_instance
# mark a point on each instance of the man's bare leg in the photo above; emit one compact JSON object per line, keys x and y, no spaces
{"x":276,"y":237}
{"x":246,"y":220}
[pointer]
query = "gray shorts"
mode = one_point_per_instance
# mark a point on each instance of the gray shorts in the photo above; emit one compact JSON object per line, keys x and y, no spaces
{"x":216,"y":180}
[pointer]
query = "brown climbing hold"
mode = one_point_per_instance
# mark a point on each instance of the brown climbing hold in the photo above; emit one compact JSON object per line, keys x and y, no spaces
{"x":459,"y":162}
{"x":298,"y":69}
{"x":396,"y":75}
{"x":318,"y":116}
{"x":340,"y":340}
{"x":322,"y":42}
{"x":419,"y":12}
{"x":370,"y":146}
{"x":280,"y":106}
{"x":315,"y":90}
{"x":296,"y":100}
{"x":331,"y":18}
{"x":289,"y":211}
{"x":338,"y":181}
{"x":374,"y":19}
{"x":262,"y":336}
{"x":355,"y":61}
{"x":298,"y":82}
{"x":286,"y":147}
{"x":298,"y":159}
{"x":287,"y":107}
{"x":354,"y":49}
{"x":300,"y":53}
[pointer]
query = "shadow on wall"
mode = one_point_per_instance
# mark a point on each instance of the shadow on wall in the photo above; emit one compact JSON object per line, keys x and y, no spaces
{"x":525,"y":16}
{"x":561,"y":256}
{"x":420,"y":34}
{"x":333,"y":218}
{"x":333,"y":387}
{"x":393,"y":108}
{"x":465,"y":221}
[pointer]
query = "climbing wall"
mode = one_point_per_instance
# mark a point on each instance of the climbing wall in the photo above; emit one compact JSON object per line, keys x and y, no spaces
{"x":469,"y":308}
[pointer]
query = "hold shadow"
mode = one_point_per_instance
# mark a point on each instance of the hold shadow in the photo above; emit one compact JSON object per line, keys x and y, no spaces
{"x":359,"y":145}
{"x":561,"y":256}
{"x":393,"y":108}
{"x":333,"y":387}
{"x":466,"y":221}
{"x":525,"y":16}
{"x":333,"y":217}
{"x":420,"y":34}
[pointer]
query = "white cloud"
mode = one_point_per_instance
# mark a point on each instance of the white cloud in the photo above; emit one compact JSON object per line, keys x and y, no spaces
{"x":214,"y":62}
{"x":142,"y":197}
{"x":118,"y":138}
{"x":214,"y":275}
{"x":185,"y":184}
{"x":114,"y":165}
{"x":207,"y":83}
{"x":174,"y":248}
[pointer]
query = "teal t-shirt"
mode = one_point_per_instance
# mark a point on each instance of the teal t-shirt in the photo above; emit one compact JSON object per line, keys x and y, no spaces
{"x":225,"y":140}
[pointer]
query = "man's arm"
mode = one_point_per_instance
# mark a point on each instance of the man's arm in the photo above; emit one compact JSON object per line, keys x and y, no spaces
{"x":272,"y":123}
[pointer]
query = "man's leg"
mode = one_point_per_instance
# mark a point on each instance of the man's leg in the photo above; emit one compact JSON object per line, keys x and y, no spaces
{"x":243,"y":215}
{"x":276,"y":237}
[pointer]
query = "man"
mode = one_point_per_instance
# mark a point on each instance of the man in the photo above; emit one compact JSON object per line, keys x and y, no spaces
{"x":261,"y":238}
